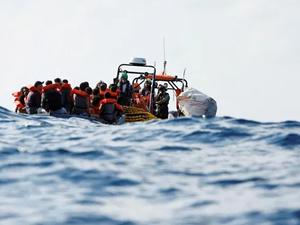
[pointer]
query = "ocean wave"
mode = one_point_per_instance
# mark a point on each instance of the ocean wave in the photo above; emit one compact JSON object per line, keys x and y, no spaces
{"x":180,"y":171}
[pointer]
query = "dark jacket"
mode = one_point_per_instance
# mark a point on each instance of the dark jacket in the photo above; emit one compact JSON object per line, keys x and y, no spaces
{"x":79,"y":105}
{"x":33,"y":102}
{"x":67,"y":102}
{"x":51,"y":100}
{"x":163,"y":109}
{"x":124,"y":98}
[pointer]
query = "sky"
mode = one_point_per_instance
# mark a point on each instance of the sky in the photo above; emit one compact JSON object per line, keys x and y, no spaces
{"x":245,"y":54}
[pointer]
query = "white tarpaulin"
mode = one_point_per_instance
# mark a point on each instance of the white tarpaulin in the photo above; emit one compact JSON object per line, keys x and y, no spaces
{"x":194,"y":103}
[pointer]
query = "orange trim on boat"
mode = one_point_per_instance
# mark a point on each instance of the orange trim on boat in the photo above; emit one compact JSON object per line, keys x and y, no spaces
{"x":161,"y":77}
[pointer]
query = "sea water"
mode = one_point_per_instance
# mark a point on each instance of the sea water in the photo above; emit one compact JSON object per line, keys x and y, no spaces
{"x":179,"y":171}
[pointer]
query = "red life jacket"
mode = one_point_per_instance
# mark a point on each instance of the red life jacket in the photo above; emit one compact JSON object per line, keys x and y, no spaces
{"x":18,"y":103}
{"x":111,"y":101}
{"x":113,"y":95}
{"x":50,"y":87}
{"x":68,"y":86}
{"x":81,"y":93}
{"x":31,"y":87}
{"x":16,"y":94}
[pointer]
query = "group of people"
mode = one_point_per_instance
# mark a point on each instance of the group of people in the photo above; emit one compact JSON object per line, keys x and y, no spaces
{"x":102,"y":102}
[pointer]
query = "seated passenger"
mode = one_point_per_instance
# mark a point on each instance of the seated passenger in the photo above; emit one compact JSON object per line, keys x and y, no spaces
{"x":51,"y":99}
{"x":113,"y":91}
{"x":103,"y":90}
{"x":162,"y":101}
{"x":81,"y":101}
{"x":58,"y":82}
{"x":109,"y":109}
{"x":66,"y":96}
{"x":95,"y":102}
{"x":20,"y":100}
{"x":126,"y":91}
{"x":33,"y":104}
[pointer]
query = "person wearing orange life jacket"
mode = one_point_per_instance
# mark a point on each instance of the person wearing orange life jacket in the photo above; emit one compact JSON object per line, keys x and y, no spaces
{"x":113,"y":91}
{"x":58,"y":82}
{"x":95,"y":102}
{"x":51,"y":99}
{"x":103,"y":90}
{"x":33,"y":104}
{"x":81,"y":101}
{"x":109,"y":109}
{"x":20,"y":100}
{"x":66,"y":98}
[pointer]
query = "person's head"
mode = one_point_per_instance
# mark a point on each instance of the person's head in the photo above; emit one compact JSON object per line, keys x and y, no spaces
{"x":48,"y":82}
{"x":124,"y":78}
{"x":103,"y":87}
{"x":89,"y":90}
{"x":99,"y":83}
{"x":113,"y":88}
{"x":38,"y":85}
{"x":95,"y":92}
{"x":107,"y":95}
{"x":65,"y":81}
{"x":83,"y":86}
{"x":162,"y":88}
{"x":95,"y":101}
{"x":58,"y":82}
{"x":86,"y":83}
{"x":24,"y":91}
{"x":76,"y":88}
{"x":147,"y":84}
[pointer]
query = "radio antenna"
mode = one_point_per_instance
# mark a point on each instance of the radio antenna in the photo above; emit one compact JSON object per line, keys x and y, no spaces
{"x":184,"y":73}
{"x":165,"y":61}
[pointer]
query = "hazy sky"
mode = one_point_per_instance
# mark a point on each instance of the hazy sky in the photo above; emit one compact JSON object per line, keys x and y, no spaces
{"x":243,"y":53}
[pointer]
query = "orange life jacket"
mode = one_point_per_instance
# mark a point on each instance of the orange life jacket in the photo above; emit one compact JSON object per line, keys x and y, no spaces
{"x":111,"y":101}
{"x":50,"y":87}
{"x":16,"y":94}
{"x":31,"y":87}
{"x":81,"y":93}
{"x":113,"y":95}
{"x":68,"y":86}
{"x":18,"y":103}
{"x":95,"y":110}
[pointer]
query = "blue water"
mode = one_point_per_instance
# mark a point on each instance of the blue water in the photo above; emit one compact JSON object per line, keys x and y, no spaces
{"x":181,"y":171}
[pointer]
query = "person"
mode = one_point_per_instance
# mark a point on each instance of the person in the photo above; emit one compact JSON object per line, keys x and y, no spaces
{"x":95,"y":102}
{"x":99,"y":84}
{"x":51,"y":99}
{"x":58,"y":82}
{"x":147,"y":88}
{"x":81,"y":101}
{"x":103,"y":90}
{"x":66,"y":96}
{"x":126,"y":93}
{"x":109,"y":109}
{"x":33,"y":104}
{"x":162,"y":100}
{"x":20,"y":100}
{"x":113,"y":91}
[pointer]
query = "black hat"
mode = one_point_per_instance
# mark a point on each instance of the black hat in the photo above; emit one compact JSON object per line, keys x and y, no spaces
{"x":38,"y":83}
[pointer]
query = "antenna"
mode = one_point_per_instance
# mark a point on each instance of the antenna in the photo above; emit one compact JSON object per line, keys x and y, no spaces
{"x":184,"y":73}
{"x":165,"y":62}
